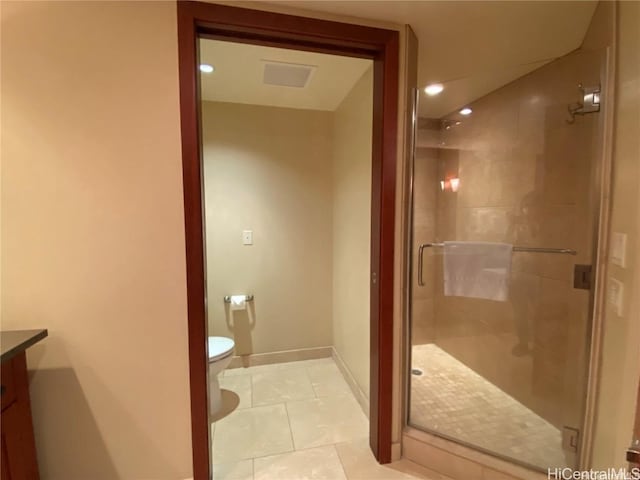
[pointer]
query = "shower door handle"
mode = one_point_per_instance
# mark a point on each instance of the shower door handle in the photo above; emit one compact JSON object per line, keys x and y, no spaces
{"x":420,"y":264}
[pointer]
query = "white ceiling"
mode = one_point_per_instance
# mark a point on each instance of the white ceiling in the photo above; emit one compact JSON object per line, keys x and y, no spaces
{"x":473,"y":47}
{"x":238,"y":76}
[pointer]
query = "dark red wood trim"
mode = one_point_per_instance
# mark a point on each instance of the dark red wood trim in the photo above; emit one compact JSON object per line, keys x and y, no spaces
{"x":376,"y":370}
{"x":241,"y":22}
{"x":299,"y":44}
{"x":194,"y":239}
{"x":385,"y":120}
{"x":196,"y":20}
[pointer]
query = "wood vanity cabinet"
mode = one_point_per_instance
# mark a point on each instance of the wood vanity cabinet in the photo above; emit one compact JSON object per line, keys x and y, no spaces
{"x":18,"y":460}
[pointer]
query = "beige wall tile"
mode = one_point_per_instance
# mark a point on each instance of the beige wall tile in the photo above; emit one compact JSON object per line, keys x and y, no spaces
{"x":423,"y":326}
{"x":511,"y":179}
{"x":476,"y":183}
{"x":485,"y":224}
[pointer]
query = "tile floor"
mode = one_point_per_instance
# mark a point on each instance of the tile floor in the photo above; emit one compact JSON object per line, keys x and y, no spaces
{"x":296,"y":421}
{"x":452,"y":399}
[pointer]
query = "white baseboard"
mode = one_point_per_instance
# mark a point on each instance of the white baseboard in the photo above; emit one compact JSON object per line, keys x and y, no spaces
{"x":280,"y":357}
{"x":242,"y":361}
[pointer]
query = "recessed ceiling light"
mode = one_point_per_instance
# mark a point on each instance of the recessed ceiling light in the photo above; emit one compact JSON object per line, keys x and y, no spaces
{"x":466,"y":111}
{"x":433,"y":89}
{"x":206,"y":68}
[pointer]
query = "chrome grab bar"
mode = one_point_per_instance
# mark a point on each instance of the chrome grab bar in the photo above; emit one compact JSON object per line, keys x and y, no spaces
{"x":247,"y":298}
{"x":567,"y":251}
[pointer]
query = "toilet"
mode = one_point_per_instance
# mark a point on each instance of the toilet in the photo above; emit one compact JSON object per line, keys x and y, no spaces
{"x":220,"y":350}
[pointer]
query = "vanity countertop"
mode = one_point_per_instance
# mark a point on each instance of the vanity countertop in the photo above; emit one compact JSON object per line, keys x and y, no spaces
{"x":13,"y":342}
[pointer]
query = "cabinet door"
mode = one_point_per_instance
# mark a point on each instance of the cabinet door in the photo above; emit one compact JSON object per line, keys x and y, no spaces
{"x":18,"y":447}
{"x":17,"y":452}
{"x":4,"y":459}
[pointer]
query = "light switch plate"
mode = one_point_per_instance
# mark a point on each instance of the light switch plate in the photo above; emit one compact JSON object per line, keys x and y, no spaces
{"x":619,"y":248}
{"x":247,"y":237}
{"x":616,"y":295}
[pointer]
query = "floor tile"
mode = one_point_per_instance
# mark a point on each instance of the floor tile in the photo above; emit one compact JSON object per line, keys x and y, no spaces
{"x":327,"y":420}
{"x":320,"y":463}
{"x":280,"y":386}
{"x":327,"y":380}
{"x":241,"y":386}
{"x":276,"y":366}
{"x":451,"y":398}
{"x":417,"y":471}
{"x":242,"y":470}
{"x":252,"y":432}
{"x":307,"y":363}
{"x":232,"y":372}
{"x":360,"y":464}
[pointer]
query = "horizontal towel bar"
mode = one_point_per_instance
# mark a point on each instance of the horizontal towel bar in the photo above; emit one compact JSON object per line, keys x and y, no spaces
{"x":566,"y":251}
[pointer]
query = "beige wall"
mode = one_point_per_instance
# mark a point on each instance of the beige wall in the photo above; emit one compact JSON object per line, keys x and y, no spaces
{"x":90,"y":141}
{"x":92,"y":234}
{"x":620,"y":367}
{"x":407,"y":74}
{"x":352,"y":127}
{"x":267,"y":169}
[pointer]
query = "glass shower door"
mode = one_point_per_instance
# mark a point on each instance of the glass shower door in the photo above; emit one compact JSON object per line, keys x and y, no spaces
{"x":499,"y":343}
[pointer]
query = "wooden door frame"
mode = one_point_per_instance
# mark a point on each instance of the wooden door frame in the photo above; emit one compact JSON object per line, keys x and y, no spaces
{"x":197,"y":20}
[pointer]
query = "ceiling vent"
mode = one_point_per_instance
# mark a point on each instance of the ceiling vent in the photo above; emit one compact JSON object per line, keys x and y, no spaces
{"x":287,"y":74}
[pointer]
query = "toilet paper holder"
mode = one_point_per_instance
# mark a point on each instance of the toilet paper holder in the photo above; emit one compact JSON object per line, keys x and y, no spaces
{"x":247,"y":298}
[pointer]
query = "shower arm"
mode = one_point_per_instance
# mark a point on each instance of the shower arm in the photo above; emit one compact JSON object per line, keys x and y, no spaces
{"x":566,"y":251}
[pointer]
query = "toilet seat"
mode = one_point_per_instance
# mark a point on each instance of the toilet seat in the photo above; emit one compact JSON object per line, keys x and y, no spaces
{"x":219,"y":347}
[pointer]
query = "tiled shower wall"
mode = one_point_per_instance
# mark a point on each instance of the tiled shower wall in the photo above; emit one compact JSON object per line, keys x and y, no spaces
{"x":525,"y":178}
{"x":425,"y":197}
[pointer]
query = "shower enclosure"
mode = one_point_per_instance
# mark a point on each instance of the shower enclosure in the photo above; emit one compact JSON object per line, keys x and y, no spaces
{"x":508,"y":375}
